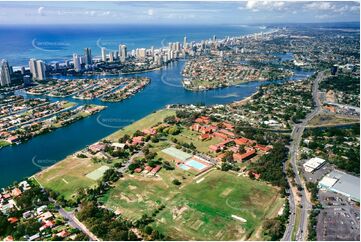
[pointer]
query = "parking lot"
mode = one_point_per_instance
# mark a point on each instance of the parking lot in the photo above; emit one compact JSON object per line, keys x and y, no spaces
{"x":316,"y":175}
{"x":339,"y":219}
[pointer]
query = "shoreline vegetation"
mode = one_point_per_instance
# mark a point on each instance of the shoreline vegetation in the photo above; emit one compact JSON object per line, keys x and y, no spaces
{"x":124,"y":130}
{"x":57,"y":120}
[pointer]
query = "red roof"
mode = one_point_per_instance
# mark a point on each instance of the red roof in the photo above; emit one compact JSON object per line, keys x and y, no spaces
{"x":204,"y":136}
{"x":202,"y":119}
{"x":13,"y":220}
{"x":9,"y":238}
{"x":243,"y":141}
{"x":220,"y":135}
{"x":63,"y":234}
{"x":16,"y":192}
{"x":226,"y":132}
{"x":150,"y":131}
{"x":96,"y":147}
{"x":156,"y":169}
{"x":228,"y":125}
{"x":138,"y":170}
{"x":148,"y":168}
{"x":240,"y":157}
{"x":263,"y":147}
{"x":214,"y":147}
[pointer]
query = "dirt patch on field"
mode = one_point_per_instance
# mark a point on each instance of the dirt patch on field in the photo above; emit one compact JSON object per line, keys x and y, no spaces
{"x":226,"y":192}
{"x":126,"y":198}
{"x":177,"y":211}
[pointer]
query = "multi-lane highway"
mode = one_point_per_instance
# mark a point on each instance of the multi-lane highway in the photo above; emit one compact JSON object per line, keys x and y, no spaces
{"x":296,"y":136}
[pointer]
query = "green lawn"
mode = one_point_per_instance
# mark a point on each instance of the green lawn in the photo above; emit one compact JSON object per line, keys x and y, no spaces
{"x":68,"y":176}
{"x":189,"y":136}
{"x":143,"y":123}
{"x":195,"y":211}
{"x":4,"y":143}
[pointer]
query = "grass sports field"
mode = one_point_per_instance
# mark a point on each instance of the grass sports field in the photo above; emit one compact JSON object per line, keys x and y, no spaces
{"x":69,"y":175}
{"x":146,"y":122}
{"x":196,"y":210}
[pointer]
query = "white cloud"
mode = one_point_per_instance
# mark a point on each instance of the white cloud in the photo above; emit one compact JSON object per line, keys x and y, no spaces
{"x":256,"y":6}
{"x":150,"y":12}
{"x":320,"y":6}
{"x":41,"y":11}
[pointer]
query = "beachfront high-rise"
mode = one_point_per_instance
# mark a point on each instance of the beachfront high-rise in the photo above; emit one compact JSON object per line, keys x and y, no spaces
{"x":122,"y":53}
{"x":5,"y":79}
{"x":40,"y":70}
{"x":37,"y":69}
{"x":104,"y":54}
{"x":88,"y":56}
{"x":76,"y":62}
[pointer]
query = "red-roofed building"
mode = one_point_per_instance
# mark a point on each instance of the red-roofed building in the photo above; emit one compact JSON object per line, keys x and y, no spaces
{"x":242,"y":157}
{"x":155,"y":169}
{"x":137,"y":140}
{"x":263,"y":148}
{"x":256,"y":175}
{"x":214,"y":148}
{"x":9,"y":238}
{"x":47,"y":224}
{"x":228,"y":126}
{"x":203,"y":120}
{"x":150,"y":131}
{"x":148,"y":168}
{"x":12,"y":139}
{"x":12,"y":220}
{"x":16,"y":192}
{"x":228,"y":133}
{"x":244,"y":141}
{"x":138,"y":170}
{"x":95,"y":148}
{"x":6,"y":196}
{"x":220,"y":135}
{"x":63,"y":234}
{"x":204,"y":137}
{"x":195,"y":127}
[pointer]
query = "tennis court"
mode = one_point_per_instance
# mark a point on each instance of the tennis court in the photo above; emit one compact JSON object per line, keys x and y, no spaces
{"x":177,"y":154}
{"x":98,"y":173}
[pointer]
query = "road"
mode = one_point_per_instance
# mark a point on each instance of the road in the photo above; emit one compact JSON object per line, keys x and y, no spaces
{"x":296,"y":137}
{"x":73,"y":221}
{"x":129,"y":161}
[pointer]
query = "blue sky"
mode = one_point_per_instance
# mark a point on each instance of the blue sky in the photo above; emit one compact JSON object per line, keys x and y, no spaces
{"x":241,"y":12}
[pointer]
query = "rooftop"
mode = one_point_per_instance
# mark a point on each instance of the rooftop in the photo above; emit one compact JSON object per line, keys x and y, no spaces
{"x":342,"y":183}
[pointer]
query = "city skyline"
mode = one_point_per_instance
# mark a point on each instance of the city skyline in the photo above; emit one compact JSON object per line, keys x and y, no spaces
{"x":136,"y":12}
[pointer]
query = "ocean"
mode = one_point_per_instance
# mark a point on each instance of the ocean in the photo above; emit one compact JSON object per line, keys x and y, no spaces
{"x":59,"y":42}
{"x":20,"y":161}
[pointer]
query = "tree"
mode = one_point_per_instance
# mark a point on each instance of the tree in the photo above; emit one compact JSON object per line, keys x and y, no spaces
{"x":148,"y":230}
{"x":273,"y":228}
{"x":176,"y":182}
{"x":228,"y":157}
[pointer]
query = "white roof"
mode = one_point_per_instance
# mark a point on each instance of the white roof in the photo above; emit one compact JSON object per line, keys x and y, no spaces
{"x":314,"y":162}
{"x":328,"y":181}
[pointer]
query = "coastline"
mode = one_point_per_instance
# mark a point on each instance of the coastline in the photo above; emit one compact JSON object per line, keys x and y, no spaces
{"x":244,"y":100}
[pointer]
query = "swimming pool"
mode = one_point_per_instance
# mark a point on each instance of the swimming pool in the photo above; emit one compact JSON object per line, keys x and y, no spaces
{"x":184,"y":167}
{"x":195,"y":164}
